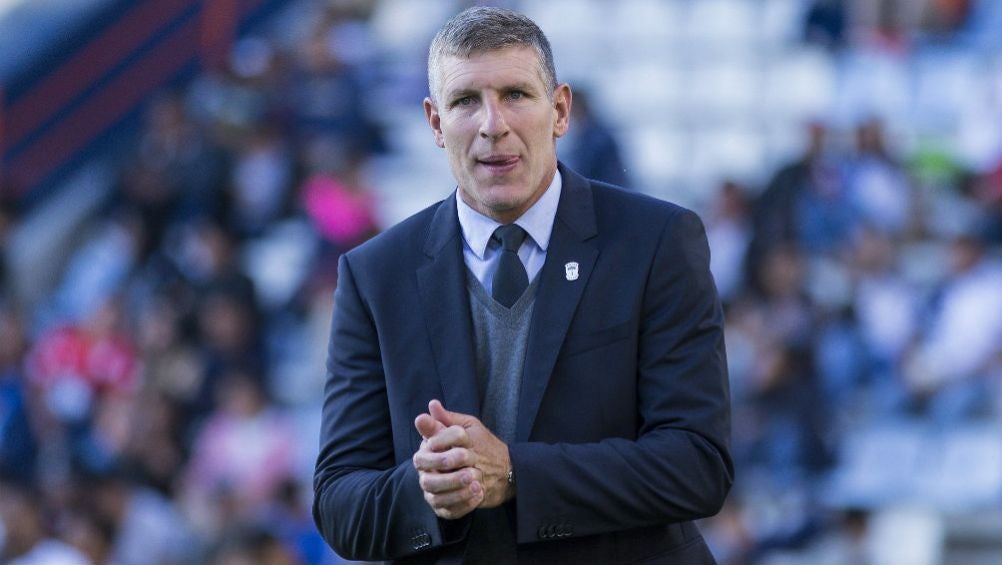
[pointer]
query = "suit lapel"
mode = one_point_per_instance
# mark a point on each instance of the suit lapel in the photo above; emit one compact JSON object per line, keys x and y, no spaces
{"x":446,"y":309}
{"x":557,"y":297}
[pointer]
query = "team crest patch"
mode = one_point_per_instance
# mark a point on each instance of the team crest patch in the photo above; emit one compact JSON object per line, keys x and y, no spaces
{"x":571,"y":270}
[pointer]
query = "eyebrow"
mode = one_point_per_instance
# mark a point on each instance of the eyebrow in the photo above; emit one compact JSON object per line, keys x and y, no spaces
{"x":463,"y":92}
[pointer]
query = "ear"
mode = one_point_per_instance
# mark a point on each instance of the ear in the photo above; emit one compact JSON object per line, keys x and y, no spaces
{"x":434,"y":120}
{"x":562,"y":106}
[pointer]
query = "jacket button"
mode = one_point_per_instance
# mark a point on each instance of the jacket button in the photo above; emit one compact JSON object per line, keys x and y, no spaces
{"x":541,"y":532}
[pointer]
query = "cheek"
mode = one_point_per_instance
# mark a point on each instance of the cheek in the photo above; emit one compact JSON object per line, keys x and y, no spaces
{"x":455,"y":138}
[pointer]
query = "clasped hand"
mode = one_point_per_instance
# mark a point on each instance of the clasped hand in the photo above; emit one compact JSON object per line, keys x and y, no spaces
{"x":461,"y":465}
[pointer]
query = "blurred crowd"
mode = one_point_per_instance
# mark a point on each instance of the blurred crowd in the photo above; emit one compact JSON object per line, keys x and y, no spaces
{"x":157,"y":408}
{"x":861,"y":290}
{"x":160,"y":406}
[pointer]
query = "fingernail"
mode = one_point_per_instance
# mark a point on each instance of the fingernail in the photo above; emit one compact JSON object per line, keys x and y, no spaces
{"x":466,"y":479}
{"x":475,"y":488}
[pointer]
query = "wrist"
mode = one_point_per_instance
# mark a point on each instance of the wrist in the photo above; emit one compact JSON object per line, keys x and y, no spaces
{"x":510,"y":480}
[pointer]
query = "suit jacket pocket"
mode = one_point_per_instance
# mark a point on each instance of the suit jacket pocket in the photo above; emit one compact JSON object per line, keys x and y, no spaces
{"x":580,"y":342}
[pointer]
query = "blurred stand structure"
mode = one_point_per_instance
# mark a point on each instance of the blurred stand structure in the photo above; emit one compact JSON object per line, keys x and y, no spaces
{"x":170,"y":228}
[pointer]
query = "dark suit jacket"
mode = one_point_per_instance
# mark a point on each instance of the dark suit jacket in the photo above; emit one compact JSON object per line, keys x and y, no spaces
{"x":623,"y":418}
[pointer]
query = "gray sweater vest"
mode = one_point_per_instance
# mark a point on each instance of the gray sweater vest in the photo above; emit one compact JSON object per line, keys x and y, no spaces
{"x":500,"y":335}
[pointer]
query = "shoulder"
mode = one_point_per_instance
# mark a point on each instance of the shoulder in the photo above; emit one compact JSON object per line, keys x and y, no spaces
{"x":635,"y":211}
{"x":605,"y":193}
{"x":610,"y":201}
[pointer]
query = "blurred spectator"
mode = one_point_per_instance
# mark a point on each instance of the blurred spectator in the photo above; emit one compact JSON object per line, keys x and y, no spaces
{"x":951,"y":363}
{"x":27,"y":539}
{"x":884,"y":24}
{"x":728,"y":229}
{"x":263,"y":174}
{"x":171,"y":365}
{"x":824,"y":217}
{"x":18,"y":444}
{"x":988,"y":194}
{"x":327,"y":99}
{"x":806,"y":203}
{"x":99,"y":267}
{"x":243,"y":454}
{"x":176,"y":172}
{"x":781,"y":417}
{"x":155,"y":447}
{"x":590,"y":148}
{"x":85,"y":529}
{"x":944,"y":18}
{"x":148,"y":528}
{"x":774,"y":212}
{"x":878,"y":189}
{"x":233,"y":102}
{"x":225,"y":311}
{"x":73,"y":363}
{"x":253,"y":546}
{"x":229,"y":340}
{"x":207,"y":254}
{"x":886,"y":309}
{"x":291,"y":519}
{"x":8,"y":219}
{"x":83,"y":374}
{"x":785,"y":304}
{"x":825,"y":23}
{"x":298,"y":340}
{"x":336,"y":198}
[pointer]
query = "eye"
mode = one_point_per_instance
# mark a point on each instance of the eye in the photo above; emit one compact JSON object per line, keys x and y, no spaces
{"x":516,"y":94}
{"x":464,"y":101}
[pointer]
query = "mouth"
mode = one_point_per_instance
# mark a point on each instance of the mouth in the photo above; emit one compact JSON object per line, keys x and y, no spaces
{"x":498,"y":164}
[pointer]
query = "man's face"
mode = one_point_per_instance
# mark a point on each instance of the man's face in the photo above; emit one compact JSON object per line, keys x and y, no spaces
{"x":495,"y":119}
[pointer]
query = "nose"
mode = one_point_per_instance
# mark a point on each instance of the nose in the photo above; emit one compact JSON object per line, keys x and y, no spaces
{"x":493,"y":124}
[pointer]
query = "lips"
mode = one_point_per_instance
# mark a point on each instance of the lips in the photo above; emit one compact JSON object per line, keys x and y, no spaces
{"x":499,"y":163}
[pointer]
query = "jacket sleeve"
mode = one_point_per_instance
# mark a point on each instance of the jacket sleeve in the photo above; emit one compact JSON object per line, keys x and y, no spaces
{"x":678,"y":468}
{"x":367,"y":506}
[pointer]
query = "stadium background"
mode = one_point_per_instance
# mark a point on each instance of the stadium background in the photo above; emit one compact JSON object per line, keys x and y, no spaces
{"x":179,"y":177}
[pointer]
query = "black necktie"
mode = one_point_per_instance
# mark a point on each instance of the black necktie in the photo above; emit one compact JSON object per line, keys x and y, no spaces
{"x":510,"y":280}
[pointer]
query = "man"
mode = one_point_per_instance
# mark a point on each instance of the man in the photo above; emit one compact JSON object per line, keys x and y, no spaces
{"x":554,"y":392}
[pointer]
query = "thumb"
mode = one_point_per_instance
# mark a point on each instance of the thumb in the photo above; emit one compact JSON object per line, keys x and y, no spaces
{"x":448,"y":418}
{"x":427,"y":426}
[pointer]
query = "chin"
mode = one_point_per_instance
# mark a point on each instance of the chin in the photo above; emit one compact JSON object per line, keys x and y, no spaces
{"x":506,"y":202}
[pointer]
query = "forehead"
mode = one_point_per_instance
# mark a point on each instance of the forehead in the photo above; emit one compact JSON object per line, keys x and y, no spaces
{"x":492,"y":69}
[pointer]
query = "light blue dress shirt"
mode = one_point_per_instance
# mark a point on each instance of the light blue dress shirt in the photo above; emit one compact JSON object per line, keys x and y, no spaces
{"x":481,"y":253}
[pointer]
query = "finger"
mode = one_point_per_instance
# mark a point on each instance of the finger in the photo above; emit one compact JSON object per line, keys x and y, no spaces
{"x":446,"y":461}
{"x":441,"y":483}
{"x":459,"y":510}
{"x":456,"y":501}
{"x":448,"y":418}
{"x":427,"y":426}
{"x":448,"y":438}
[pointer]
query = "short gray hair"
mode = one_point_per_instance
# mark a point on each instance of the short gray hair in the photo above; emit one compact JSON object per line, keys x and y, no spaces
{"x":481,"y":29}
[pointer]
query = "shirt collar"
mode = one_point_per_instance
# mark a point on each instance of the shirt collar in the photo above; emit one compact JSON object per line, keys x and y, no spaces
{"x":537,"y":221}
